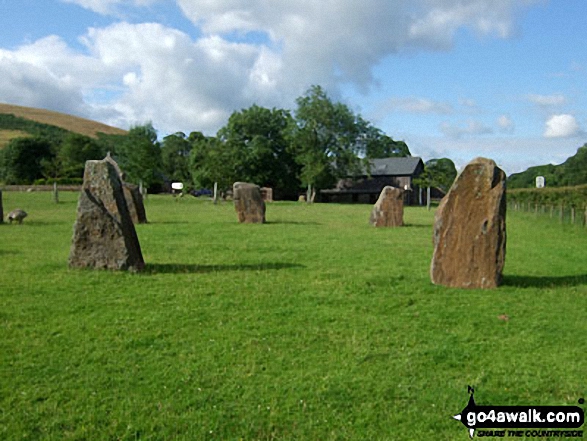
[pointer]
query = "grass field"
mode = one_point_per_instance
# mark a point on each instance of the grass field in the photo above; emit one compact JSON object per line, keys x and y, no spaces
{"x":314,"y":326}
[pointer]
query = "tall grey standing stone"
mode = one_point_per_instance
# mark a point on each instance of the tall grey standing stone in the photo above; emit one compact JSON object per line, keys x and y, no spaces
{"x":388,"y":211}
{"x":470,"y":230}
{"x":248,"y":203}
{"x":104,"y":235}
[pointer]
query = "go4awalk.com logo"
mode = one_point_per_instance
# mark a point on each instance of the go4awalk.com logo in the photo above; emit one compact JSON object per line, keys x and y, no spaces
{"x":521,"y":421}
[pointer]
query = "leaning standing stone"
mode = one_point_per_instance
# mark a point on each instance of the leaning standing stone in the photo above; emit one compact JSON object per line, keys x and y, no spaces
{"x":104,"y":235}
{"x":469,"y":229}
{"x":248,"y":203}
{"x":388,"y":211}
{"x":134,"y":200}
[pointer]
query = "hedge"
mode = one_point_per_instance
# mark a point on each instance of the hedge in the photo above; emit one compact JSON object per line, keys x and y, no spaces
{"x":566,"y":196}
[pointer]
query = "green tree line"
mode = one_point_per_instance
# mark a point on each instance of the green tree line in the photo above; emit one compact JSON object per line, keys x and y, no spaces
{"x":570,"y":173}
{"x":321,"y":141}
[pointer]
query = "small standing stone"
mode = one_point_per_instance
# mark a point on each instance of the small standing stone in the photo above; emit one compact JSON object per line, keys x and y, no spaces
{"x":104,"y":235}
{"x":388,"y":211}
{"x":248,"y":203}
{"x":267,"y":194}
{"x":17,"y":215}
{"x":470,"y":230}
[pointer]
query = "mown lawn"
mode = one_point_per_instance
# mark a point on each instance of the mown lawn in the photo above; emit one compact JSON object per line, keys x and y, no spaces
{"x":314,"y":326}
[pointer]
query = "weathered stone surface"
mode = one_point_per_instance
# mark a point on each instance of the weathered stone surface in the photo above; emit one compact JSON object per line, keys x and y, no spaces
{"x":388,"y":211}
{"x":248,"y":203}
{"x":104,"y":235}
{"x":132,"y":193}
{"x":16,"y":215}
{"x":470,"y":229}
{"x":1,"y":209}
{"x":134,"y":201}
{"x":267,"y":194}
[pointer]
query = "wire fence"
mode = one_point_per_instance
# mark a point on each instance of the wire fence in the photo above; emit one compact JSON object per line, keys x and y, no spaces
{"x":564,"y":214}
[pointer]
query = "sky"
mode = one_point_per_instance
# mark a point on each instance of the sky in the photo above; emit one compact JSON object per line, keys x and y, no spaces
{"x":504,"y":79}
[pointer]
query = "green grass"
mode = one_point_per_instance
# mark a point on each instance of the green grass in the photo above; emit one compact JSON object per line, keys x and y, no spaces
{"x":314,"y":326}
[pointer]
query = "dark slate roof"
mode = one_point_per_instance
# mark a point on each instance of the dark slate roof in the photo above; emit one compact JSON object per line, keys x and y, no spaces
{"x":395,"y":166}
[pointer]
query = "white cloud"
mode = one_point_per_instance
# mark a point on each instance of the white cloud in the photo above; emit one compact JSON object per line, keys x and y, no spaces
{"x":505,"y":124}
{"x":470,"y":128}
{"x":108,"y":7}
{"x":249,"y":51}
{"x":418,"y":105}
{"x":547,"y":100}
{"x":324,"y":41}
{"x":562,"y":126}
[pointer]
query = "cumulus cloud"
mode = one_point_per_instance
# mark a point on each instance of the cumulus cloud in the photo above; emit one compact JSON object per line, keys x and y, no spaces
{"x":326,"y":41}
{"x":247,"y":51}
{"x":562,"y":126}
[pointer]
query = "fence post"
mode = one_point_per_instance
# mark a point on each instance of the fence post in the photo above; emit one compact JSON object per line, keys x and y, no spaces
{"x":572,"y":215}
{"x":562,"y":213}
{"x":55,"y":193}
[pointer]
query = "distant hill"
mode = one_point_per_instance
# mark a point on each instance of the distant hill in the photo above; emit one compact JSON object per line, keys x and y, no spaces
{"x":571,"y":172}
{"x":39,"y":120}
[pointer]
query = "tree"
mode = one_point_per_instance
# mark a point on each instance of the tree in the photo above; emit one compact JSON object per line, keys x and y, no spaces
{"x":139,"y":155}
{"x":22,"y":159}
{"x":210,"y":162}
{"x":175,"y":155}
{"x":257,"y":140}
{"x":439,"y":173}
{"x":328,"y":139}
{"x":75,"y":150}
{"x":379,"y":145}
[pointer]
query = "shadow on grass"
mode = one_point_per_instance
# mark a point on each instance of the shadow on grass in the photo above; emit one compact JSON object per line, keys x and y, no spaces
{"x":180,"y":268}
{"x":292,"y":222}
{"x":544,"y":281}
{"x":426,"y":226}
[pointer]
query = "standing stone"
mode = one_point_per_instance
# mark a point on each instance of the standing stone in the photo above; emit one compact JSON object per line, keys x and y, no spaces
{"x":132,"y":194}
{"x":104,"y":235}
{"x":267,"y":194}
{"x":388,"y":211}
{"x":1,"y":209}
{"x":134,"y":201}
{"x":469,"y":229}
{"x":248,"y":203}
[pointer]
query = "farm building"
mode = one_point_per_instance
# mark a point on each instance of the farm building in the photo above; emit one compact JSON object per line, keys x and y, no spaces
{"x":397,"y":172}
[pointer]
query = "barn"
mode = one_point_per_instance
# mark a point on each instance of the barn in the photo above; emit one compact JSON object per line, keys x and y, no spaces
{"x":365,"y":188}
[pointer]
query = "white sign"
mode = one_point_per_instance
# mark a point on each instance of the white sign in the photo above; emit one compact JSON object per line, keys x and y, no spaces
{"x":177,"y":185}
{"x":540,"y":182}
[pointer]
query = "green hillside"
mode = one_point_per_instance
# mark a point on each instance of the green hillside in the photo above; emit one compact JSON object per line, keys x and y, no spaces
{"x":571,"y":172}
{"x":39,"y":145}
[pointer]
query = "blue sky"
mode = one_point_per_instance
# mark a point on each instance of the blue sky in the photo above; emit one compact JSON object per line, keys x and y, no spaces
{"x":503,"y":79}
